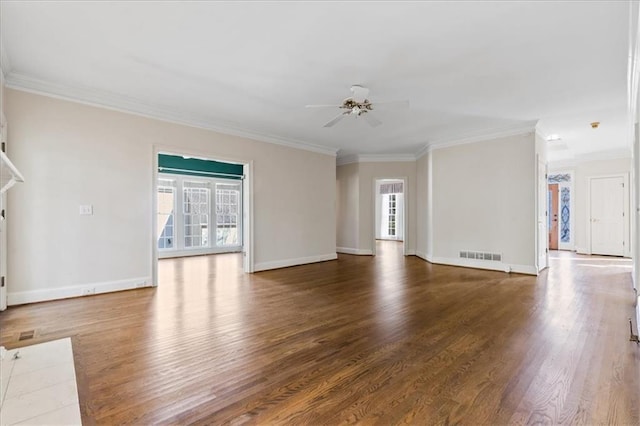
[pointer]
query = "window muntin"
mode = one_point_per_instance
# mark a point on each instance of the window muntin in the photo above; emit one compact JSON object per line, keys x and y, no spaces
{"x":198,"y":214}
{"x":166,"y":213}
{"x":227,"y":214}
{"x":391,"y":229}
{"x":195,"y":210}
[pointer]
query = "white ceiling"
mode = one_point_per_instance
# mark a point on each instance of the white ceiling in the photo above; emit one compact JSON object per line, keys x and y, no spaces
{"x":250,"y":67}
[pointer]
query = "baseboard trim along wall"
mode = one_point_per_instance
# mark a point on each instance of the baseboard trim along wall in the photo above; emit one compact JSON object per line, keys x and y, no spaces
{"x":348,"y":250}
{"x":424,"y":256}
{"x":264,"y":266}
{"x":480,"y":264}
{"x":22,"y":297}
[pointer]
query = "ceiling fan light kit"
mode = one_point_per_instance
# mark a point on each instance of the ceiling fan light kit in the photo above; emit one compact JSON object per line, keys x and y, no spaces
{"x":359,"y":106}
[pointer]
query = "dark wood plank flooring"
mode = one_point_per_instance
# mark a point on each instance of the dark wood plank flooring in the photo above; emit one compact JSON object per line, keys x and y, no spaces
{"x":383,"y":340}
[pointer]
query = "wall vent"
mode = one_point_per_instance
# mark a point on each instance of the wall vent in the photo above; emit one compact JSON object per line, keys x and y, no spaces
{"x":480,"y":255}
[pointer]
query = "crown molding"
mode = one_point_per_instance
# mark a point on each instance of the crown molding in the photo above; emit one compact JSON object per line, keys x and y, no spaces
{"x":5,"y":63}
{"x":521,"y":129}
{"x":346,"y":159}
{"x":130,"y":105}
{"x":374,"y":158}
{"x":423,"y":151}
{"x":386,"y":158}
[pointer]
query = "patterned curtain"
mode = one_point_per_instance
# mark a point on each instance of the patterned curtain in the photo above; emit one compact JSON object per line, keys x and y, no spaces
{"x":391,"y":188}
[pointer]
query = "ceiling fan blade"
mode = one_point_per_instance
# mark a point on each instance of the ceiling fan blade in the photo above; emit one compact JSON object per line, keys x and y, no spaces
{"x":359,"y":93}
{"x":392,"y":104}
{"x":372,"y":120}
{"x":335,"y":119}
{"x":322,"y":106}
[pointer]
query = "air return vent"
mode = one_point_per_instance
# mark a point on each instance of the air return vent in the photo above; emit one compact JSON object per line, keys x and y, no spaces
{"x":480,"y":255}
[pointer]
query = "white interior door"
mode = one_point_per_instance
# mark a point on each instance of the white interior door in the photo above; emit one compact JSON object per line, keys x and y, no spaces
{"x":607,"y":216}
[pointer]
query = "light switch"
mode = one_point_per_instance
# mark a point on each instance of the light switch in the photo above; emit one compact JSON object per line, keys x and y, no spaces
{"x":86,"y":209}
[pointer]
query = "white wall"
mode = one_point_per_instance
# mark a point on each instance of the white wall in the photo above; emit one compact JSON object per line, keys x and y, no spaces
{"x":483,"y":199}
{"x":582,"y":172}
{"x":347,"y":194}
{"x":72,"y":154}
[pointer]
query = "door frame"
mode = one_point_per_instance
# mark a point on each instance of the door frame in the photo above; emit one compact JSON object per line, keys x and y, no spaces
{"x":247,"y":203}
{"x":405,"y":201}
{"x":551,"y":213}
{"x":540,"y":223}
{"x":626,"y":210}
{"x":571,"y":245}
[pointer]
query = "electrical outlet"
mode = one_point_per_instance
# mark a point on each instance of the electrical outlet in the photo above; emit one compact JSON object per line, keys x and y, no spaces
{"x":86,"y":209}
{"x":88,"y":291}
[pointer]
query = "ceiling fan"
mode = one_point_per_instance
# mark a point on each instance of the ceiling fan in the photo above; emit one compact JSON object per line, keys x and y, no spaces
{"x":359,"y":106}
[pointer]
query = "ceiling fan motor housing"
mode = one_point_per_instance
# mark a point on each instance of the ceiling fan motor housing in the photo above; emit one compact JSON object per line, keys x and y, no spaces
{"x":356,"y":108}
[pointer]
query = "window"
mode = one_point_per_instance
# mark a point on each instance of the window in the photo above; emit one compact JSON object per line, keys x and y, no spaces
{"x":227,"y":212}
{"x":166,"y":216}
{"x":198,"y":215}
{"x":392,"y":215}
{"x":196,"y":208}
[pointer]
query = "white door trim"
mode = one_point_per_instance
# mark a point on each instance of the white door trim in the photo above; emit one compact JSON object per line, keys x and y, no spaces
{"x":247,"y":232}
{"x":571,"y":245}
{"x":540,"y":222}
{"x":405,"y":200}
{"x":626,"y":207}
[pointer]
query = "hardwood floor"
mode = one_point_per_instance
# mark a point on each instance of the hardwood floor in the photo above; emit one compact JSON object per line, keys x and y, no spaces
{"x":382,"y":340}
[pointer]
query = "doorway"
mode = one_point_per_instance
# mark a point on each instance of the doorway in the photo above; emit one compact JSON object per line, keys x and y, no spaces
{"x":201,"y":206}
{"x":390,"y":212}
{"x":608,"y":215}
{"x":561,"y":210}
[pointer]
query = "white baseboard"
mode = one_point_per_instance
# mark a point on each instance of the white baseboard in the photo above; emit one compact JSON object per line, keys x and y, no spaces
{"x":485,"y":264}
{"x":263,"y":266}
{"x":196,"y":252}
{"x":424,"y":256}
{"x":410,"y":253}
{"x":22,"y":297}
{"x":348,"y":250}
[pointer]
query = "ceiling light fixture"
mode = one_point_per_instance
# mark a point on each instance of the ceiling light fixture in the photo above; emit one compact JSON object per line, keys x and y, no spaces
{"x":554,"y":137}
{"x":595,"y":124}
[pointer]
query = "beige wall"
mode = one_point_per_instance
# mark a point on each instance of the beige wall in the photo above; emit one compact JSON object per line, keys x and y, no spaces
{"x":582,"y":172}
{"x":484,"y":200}
{"x":424,"y":207}
{"x":347,"y":195}
{"x":72,"y":154}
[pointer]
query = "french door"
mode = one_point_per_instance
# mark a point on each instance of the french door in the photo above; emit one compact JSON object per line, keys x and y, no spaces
{"x":198,"y":215}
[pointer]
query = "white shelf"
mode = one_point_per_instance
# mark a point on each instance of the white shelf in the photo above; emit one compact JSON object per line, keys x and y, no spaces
{"x":9,"y":174}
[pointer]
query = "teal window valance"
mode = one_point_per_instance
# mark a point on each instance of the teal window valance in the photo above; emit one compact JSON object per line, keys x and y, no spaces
{"x":175,"y":164}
